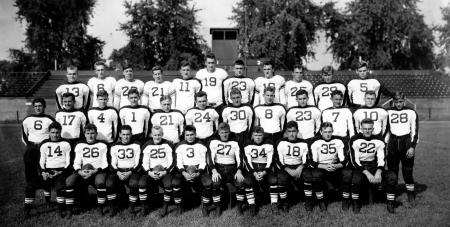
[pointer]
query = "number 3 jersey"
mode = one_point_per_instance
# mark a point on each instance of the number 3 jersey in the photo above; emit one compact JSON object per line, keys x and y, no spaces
{"x":224,"y":152}
{"x":125,"y":156}
{"x":191,"y":154}
{"x":367,"y":149}
{"x":258,"y":153}
{"x":157,"y":154}
{"x":94,"y":154}
{"x":205,"y":121}
{"x":72,"y":122}
{"x":327,"y":151}
{"x":54,"y":154}
{"x":307,"y":118}
{"x":292,"y":152}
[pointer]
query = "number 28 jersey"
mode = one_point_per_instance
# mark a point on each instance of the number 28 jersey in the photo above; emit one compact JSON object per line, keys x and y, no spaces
{"x":322,"y":94}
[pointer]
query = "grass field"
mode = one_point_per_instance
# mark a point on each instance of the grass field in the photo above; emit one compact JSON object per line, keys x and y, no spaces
{"x":432,"y":173}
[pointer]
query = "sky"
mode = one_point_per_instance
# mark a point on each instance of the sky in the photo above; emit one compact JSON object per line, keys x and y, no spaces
{"x":108,"y":14}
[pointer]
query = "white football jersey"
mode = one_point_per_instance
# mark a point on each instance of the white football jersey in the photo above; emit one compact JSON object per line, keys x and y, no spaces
{"x":185,"y":90}
{"x":153,"y":92}
{"x":121,"y":91}
{"x":261,"y":83}
{"x":171,"y":122}
{"x":259,"y":153}
{"x":125,"y":156}
{"x":107,"y":84}
{"x":290,"y":89}
{"x":238,"y":118}
{"x":138,"y":118}
{"x":191,"y":155}
{"x":357,"y":88}
{"x":157,"y":154}
{"x":244,"y":84}
{"x":107,"y":122}
{"x":404,"y":122}
{"x":322,"y":94}
{"x":54,"y":155}
{"x":94,"y":154}
{"x":205,"y":121}
{"x":72,"y":123}
{"x":35,"y":128}
{"x":341,"y":119}
{"x":307,"y":118}
{"x":292,"y":152}
{"x":212,"y":84}
{"x":378,"y":116}
{"x":270,"y":117}
{"x":364,"y":149}
{"x":327,"y":152}
{"x":225,"y":152}
{"x":80,"y":90}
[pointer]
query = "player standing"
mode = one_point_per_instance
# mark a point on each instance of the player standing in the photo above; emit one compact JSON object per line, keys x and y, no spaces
{"x":339,"y":116}
{"x":105,"y":117}
{"x":306,"y":116}
{"x":154,"y":90}
{"x":367,"y":153}
{"x":205,"y":119}
{"x":171,"y":121}
{"x":269,"y":80}
{"x":270,"y":116}
{"x":101,"y":82}
{"x":378,"y":115}
{"x":322,"y":91}
{"x":239,"y":81}
{"x":185,"y":89}
{"x":71,"y":120}
{"x":80,"y":90}
{"x":296,"y":84}
{"x":403,"y":124}
{"x":239,"y":117}
{"x":212,"y":78}
{"x":124,"y":85}
{"x":125,"y":156}
{"x":90,"y":167}
{"x":136,"y":116}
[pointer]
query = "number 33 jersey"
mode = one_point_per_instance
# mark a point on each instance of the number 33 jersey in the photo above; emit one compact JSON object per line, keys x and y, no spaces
{"x":157,"y":154}
{"x":94,"y":154}
{"x":367,"y":149}
{"x":125,"y":156}
{"x":191,"y":154}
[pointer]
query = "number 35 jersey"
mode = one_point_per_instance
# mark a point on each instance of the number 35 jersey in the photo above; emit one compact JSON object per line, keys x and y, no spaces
{"x":327,"y":151}
{"x":157,"y":154}
{"x":367,"y":149}
{"x":292,"y":152}
{"x":54,"y":154}
{"x":94,"y":154}
{"x":125,"y":156}
{"x":258,"y":153}
{"x":191,"y":154}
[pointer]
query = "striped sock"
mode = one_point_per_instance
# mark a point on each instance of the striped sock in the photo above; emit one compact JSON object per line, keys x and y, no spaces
{"x":319,"y":195}
{"x":410,"y":187}
{"x":273,"y":194}
{"x":345,"y":195}
{"x":390,"y":197}
{"x":355,"y":196}
{"x":167,"y":193}
{"x":250,"y":196}
{"x":142,"y":194}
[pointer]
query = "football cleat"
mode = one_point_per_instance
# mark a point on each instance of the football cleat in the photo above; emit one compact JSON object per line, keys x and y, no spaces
{"x":390,"y":207}
{"x":164,"y":209}
{"x":252,"y":208}
{"x":204,"y":210}
{"x":239,"y":208}
{"x":309,"y":205}
{"x":411,"y":197}
{"x":274,"y":208}
{"x":322,"y":205}
{"x":346,"y":204}
{"x":114,"y":211}
{"x":285,"y":207}
{"x":356,"y":206}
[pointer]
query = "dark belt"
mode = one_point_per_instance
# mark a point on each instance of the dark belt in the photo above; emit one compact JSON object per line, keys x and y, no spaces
{"x":404,"y":136}
{"x":124,"y":169}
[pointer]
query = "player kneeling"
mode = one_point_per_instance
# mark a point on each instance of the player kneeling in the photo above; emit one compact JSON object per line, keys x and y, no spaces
{"x":125,"y":155}
{"x":54,"y":163}
{"x":225,"y":162}
{"x":292,"y":158}
{"x":158,"y":163}
{"x":90,"y":167}
{"x":367,"y":156}
{"x":328,"y":159}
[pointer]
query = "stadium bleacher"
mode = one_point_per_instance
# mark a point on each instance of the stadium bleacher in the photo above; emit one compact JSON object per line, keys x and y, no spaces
{"x":21,"y":84}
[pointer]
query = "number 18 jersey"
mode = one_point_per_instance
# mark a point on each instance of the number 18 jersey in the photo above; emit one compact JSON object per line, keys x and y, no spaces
{"x":292,"y":152}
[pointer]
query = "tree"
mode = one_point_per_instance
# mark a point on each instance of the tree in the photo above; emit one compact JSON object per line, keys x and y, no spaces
{"x":56,"y":30}
{"x":387,"y":34}
{"x":160,"y":31}
{"x":443,"y":58}
{"x":280,"y":30}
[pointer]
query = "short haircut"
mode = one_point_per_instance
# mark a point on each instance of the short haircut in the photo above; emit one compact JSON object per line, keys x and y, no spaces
{"x":337,"y":92}
{"x":71,"y":67}
{"x":55,"y":125}
{"x":223,"y":127}
{"x":268,"y":63}
{"x":327,"y":69}
{"x":157,"y":127}
{"x":165,"y":97}
{"x":200,"y":94}
{"x":367,"y":121}
{"x":185,"y":63}
{"x":258,"y":129}
{"x":133,"y":91}
{"x":301,"y":92}
{"x":269,"y":88}
{"x":211,"y":56}
{"x":68,"y":94}
{"x":157,"y":68}
{"x":235,"y":91}
{"x":89,"y":127}
{"x":326,"y":125}
{"x":190,"y":128}
{"x":99,"y":63}
{"x":362,"y":64}
{"x":239,"y":62}
{"x":292,"y":124}
{"x":39,"y":100}
{"x":398,"y":95}
{"x":127,"y":66}
{"x":298,"y":66}
{"x":126,"y":128}
{"x":370,"y":93}
{"x":102,"y":93}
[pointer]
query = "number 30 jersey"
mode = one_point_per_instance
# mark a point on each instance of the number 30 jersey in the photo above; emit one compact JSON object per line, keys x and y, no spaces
{"x":94,"y":154}
{"x":157,"y":154}
{"x":54,"y":154}
{"x":224,"y":152}
{"x":125,"y":156}
{"x":191,"y":154}
{"x":292,"y":152}
{"x":327,"y":151}
{"x":307,"y":118}
{"x":171,"y":122}
{"x":107,"y":122}
{"x":367,"y":149}
{"x":239,"y":118}
{"x":258,"y":153}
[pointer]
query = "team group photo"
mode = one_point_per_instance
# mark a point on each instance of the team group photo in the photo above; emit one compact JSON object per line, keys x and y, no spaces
{"x":252,"y":130}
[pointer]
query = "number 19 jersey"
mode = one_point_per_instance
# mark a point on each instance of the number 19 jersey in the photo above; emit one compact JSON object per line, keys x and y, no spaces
{"x":212,"y":84}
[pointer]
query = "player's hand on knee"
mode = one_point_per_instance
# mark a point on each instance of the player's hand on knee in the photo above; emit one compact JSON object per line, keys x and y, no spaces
{"x":215,"y":176}
{"x":153,"y":175}
{"x":187,"y":176}
{"x":377,"y":177}
{"x":238,"y":176}
{"x":45,"y":175}
{"x":410,"y":152}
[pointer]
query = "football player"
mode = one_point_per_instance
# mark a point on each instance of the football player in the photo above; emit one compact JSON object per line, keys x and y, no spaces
{"x":212,"y":78}
{"x":136,"y":116}
{"x":238,"y":116}
{"x":370,"y":110}
{"x":270,"y":116}
{"x":54,"y":162}
{"x":80,"y":90}
{"x":158,"y":163}
{"x":125,"y":156}
{"x":154,"y":90}
{"x":322,"y":91}
{"x":191,"y":163}
{"x":101,"y":82}
{"x":306,"y":116}
{"x":292,"y":159}
{"x":204,"y":118}
{"x":269,"y":80}
{"x":185,"y":89}
{"x":90,"y":167}
{"x":367,"y":153}
{"x":71,"y":120}
{"x":296,"y":84}
{"x":328,"y":158}
{"x":339,"y":116}
{"x":239,"y":81}
{"x":258,"y":160}
{"x":124,"y":85}
{"x":172,"y":121}
{"x":226,"y":166}
{"x":358,"y":87}
{"x":105,"y":117}
{"x":403,"y":125}
{"x":35,"y":129}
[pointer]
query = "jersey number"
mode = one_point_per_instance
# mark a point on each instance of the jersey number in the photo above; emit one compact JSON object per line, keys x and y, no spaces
{"x":198,"y":117}
{"x":364,"y":87}
{"x":155,"y":90}
{"x":241,"y":85}
{"x":75,"y":91}
{"x":402,"y":118}
{"x":68,"y":120}
{"x":57,"y":151}
{"x":295,"y":151}
{"x":125,"y":153}
{"x":237,"y":115}
{"x":38,"y":124}
{"x":367,"y":148}
{"x":166,"y":120}
{"x":303,"y":116}
{"x":90,"y":152}
{"x":157,"y":153}
{"x":327,"y":90}
{"x":212,"y":81}
{"x":256,"y":153}
{"x":186,"y":88}
{"x":223,"y":149}
{"x":100,"y":87}
{"x":101,"y":118}
{"x":336,"y":115}
{"x":269,"y":114}
{"x":269,"y":85}
{"x":328,"y":148}
{"x":134,"y":117}
{"x":295,"y":89}
{"x":125,"y":90}
{"x":371,"y":115}
{"x":190,"y":152}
